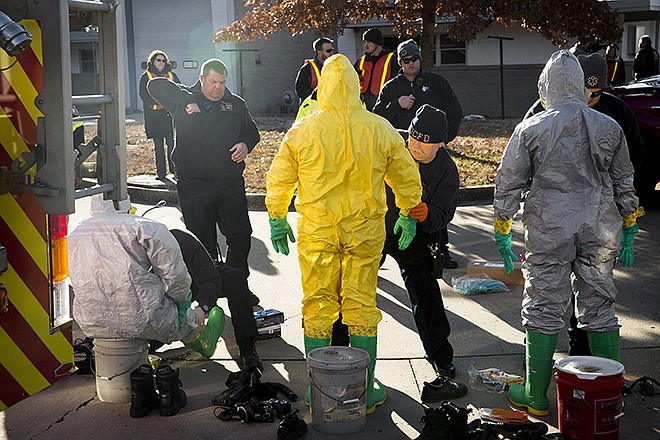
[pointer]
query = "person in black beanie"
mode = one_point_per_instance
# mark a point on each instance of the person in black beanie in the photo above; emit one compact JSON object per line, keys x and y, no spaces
{"x":425,"y":139}
{"x":402,"y":96}
{"x":375,"y":67}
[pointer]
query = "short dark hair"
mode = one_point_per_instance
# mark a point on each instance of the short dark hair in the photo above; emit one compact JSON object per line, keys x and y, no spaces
{"x":319,"y":42}
{"x":215,"y":65}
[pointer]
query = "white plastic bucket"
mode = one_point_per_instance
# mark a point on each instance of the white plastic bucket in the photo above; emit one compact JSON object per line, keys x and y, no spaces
{"x":338,"y":381}
{"x":115,"y":360}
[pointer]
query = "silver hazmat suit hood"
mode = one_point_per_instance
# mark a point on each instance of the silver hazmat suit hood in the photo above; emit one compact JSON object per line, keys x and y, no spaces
{"x":561,"y":81}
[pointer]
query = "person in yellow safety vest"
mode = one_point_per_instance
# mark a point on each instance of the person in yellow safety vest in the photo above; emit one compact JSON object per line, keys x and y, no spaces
{"x":157,"y":120}
{"x":616,"y":71}
{"x":339,"y":159}
{"x":375,"y":67}
{"x":310,"y":72}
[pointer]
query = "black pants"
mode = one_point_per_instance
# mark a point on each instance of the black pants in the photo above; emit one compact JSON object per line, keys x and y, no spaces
{"x":235,"y":289}
{"x":206,"y":203}
{"x":578,"y":339}
{"x":444,"y":241}
{"x":159,"y":153}
{"x":423,"y":289}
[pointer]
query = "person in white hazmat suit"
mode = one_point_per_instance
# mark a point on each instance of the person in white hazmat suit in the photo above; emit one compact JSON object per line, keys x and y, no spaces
{"x":572,"y":166}
{"x":130,"y":281}
{"x":338,"y":158}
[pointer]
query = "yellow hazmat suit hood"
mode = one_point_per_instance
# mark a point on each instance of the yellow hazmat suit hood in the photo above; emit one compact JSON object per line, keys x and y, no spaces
{"x":340,"y":91}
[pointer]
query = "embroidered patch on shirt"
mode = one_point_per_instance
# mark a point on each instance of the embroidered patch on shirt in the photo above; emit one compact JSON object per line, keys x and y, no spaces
{"x":226,"y":106}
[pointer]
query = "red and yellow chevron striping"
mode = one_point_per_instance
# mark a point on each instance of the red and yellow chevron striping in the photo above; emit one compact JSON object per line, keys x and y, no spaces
{"x":33,"y":355}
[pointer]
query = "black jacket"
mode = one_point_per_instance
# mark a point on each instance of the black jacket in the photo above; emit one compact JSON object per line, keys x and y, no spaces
{"x":440,"y":183}
{"x":646,"y":63}
{"x":203,"y":139}
{"x":304,"y":79}
{"x":157,"y":123}
{"x":428,"y":88}
{"x":206,"y":281}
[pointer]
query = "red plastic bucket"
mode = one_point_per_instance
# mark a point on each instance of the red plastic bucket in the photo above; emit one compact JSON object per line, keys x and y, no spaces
{"x":589,"y":397}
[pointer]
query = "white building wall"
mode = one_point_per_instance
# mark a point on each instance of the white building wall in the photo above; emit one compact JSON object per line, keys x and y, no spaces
{"x":348,"y":44}
{"x":525,"y":48}
{"x":184,"y":33}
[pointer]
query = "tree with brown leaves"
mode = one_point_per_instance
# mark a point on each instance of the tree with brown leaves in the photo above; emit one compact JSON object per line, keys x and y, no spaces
{"x":556,"y":20}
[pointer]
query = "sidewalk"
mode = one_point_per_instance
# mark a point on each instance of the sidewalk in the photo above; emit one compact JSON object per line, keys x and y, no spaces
{"x":486,"y":332}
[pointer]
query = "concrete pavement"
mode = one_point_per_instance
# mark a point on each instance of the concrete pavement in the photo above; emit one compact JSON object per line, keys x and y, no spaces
{"x":486,"y":332}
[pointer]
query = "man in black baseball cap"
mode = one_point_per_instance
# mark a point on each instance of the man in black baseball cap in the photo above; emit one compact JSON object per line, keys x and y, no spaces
{"x":419,"y":263}
{"x":375,"y":67}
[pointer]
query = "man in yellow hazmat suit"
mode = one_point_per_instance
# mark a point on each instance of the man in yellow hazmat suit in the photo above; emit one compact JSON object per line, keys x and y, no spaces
{"x":339,"y":158}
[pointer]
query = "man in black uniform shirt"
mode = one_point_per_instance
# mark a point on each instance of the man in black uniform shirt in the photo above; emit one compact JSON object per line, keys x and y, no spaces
{"x":425,"y":140}
{"x":214,"y":133}
{"x":402,"y":96}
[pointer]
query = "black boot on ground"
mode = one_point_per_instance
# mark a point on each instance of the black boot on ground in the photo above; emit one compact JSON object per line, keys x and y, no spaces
{"x":249,"y":358}
{"x":446,"y":421}
{"x":172,"y":397}
{"x":144,"y":398}
{"x":441,"y":389}
{"x":448,"y":262}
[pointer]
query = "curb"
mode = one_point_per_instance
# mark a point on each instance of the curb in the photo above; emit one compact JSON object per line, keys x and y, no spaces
{"x":257,"y":202}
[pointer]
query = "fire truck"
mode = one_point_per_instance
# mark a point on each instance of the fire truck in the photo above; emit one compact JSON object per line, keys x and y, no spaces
{"x":38,"y":163}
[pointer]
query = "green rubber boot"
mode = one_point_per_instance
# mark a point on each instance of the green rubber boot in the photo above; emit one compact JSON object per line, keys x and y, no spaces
{"x":311,"y":344}
{"x":605,"y":344}
{"x":533,"y":394}
{"x":207,"y":340}
{"x":376,"y":393}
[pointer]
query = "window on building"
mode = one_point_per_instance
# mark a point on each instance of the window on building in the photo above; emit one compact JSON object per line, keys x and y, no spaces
{"x":448,"y":51}
{"x":88,"y":61}
{"x":635,"y":31}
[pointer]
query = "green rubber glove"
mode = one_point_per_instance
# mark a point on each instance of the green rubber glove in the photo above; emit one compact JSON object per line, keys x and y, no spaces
{"x":504,"y":246}
{"x":627,"y":254}
{"x":408,"y":227}
{"x":183,"y":307}
{"x":280,"y":230}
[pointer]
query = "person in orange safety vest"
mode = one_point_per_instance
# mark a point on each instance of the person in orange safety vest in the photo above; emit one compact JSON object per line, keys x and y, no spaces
{"x":375,"y":67}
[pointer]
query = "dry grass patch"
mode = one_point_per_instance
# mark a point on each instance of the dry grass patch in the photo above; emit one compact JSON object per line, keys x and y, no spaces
{"x":477,"y":150}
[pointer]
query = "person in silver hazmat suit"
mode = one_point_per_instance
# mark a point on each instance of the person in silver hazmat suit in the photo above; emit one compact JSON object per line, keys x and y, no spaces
{"x":571,"y":165}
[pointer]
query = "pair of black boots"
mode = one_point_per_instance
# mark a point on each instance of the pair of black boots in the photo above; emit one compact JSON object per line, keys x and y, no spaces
{"x":169,"y":398}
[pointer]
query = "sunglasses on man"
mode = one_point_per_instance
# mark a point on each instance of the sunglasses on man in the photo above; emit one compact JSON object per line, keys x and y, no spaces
{"x":159,"y":60}
{"x":329,"y":50}
{"x":409,"y":60}
{"x":596,"y":94}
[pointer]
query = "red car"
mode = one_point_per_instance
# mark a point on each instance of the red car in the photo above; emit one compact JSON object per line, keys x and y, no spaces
{"x":643,"y":97}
